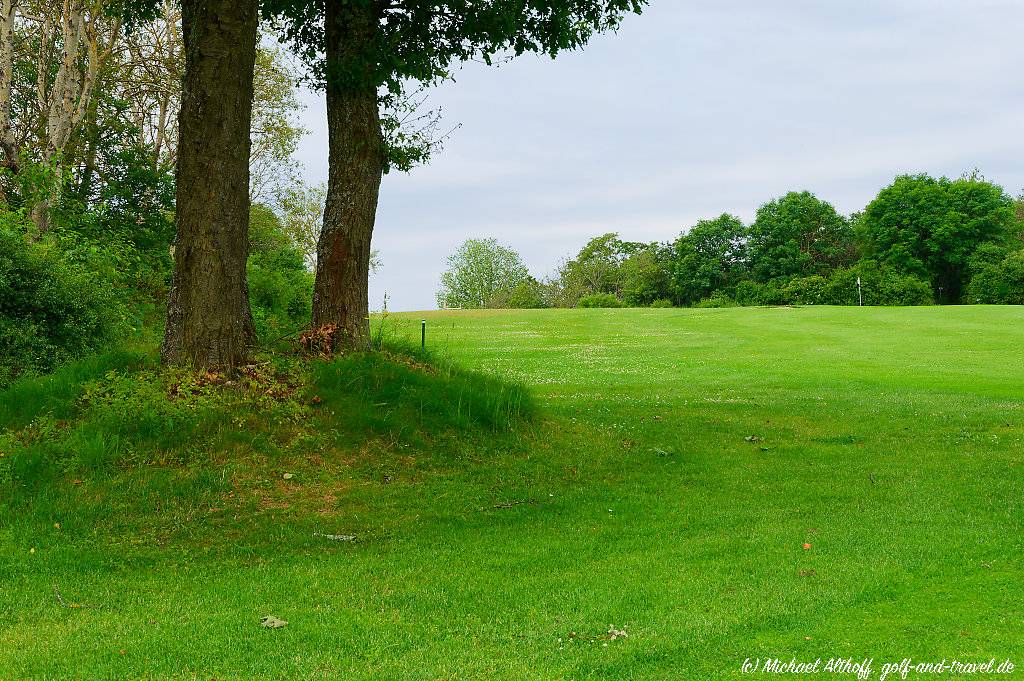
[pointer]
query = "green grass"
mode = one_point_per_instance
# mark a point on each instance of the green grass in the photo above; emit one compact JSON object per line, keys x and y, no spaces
{"x":663,"y":479}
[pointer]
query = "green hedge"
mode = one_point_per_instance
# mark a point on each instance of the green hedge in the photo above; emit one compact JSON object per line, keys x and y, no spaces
{"x":599,"y":300}
{"x":879,"y":286}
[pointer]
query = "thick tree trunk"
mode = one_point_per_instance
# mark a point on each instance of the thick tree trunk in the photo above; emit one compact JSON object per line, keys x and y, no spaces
{"x":356,"y":150}
{"x":209,"y":323}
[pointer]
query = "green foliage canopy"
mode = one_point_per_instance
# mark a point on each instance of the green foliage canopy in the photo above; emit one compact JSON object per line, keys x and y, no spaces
{"x":280,"y":285}
{"x":711,"y":256}
{"x":798,"y":235}
{"x":998,"y":283}
{"x":419,"y":40}
{"x":416,"y":42}
{"x":931,"y":227}
{"x":478,"y":271}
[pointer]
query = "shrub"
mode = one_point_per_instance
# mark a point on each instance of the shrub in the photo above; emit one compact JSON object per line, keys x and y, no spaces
{"x":280,"y":286}
{"x":662,"y":302}
{"x":896,"y":289}
{"x":747,"y":293}
{"x":879,"y":286}
{"x":599,"y":300}
{"x":717,"y":299}
{"x":750,"y":293}
{"x":805,"y":291}
{"x":998,"y":284}
{"x":131,"y":218}
{"x":525,"y":295}
{"x":52,"y":308}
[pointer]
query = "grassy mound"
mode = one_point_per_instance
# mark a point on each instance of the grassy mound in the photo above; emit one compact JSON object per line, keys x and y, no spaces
{"x":179,"y":452}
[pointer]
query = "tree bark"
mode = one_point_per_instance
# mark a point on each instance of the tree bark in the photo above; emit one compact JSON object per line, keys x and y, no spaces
{"x":8,"y":9}
{"x":356,"y":165}
{"x":209,"y":322}
{"x":40,"y":216}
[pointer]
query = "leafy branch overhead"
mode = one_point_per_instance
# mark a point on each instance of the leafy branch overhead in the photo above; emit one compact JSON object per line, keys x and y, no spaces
{"x":412,"y":44}
{"x":419,"y":40}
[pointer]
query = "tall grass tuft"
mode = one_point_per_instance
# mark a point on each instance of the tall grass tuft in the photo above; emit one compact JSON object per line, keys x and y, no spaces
{"x":402,"y":387}
{"x":56,"y":394}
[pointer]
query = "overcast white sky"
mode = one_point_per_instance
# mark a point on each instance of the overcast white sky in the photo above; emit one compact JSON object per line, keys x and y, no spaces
{"x":695,"y":108}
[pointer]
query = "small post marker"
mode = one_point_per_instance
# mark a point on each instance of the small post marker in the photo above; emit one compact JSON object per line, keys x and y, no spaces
{"x":423,"y":335}
{"x":860,"y":293}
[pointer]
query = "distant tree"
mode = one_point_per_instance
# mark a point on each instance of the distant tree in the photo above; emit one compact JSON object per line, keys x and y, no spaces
{"x":996,"y":276}
{"x":799,"y":235}
{"x":276,"y":131}
{"x":710,"y":257}
{"x":528,"y":294}
{"x":301,"y":209}
{"x":1018,"y":228}
{"x":478,"y":271}
{"x":595,"y":269}
{"x":932,"y":227}
{"x":645,"y":276}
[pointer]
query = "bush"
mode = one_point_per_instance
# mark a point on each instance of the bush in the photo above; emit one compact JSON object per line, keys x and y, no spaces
{"x":662,"y":302}
{"x":747,"y":293}
{"x":998,"y":284}
{"x":805,"y":291}
{"x":717,"y":299}
{"x":750,"y":293}
{"x":525,"y":295}
{"x":131,"y":218}
{"x":280,"y":286}
{"x":879,"y":286}
{"x":599,"y":300}
{"x":52,"y":308}
{"x":896,"y":289}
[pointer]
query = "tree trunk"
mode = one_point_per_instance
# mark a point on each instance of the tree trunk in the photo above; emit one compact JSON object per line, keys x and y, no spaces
{"x":10,"y":155}
{"x":209,"y":323}
{"x":85,"y":184}
{"x":356,"y":161}
{"x":40,"y":215}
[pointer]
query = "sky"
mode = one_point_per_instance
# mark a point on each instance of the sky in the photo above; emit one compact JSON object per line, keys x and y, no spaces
{"x":695,"y":108}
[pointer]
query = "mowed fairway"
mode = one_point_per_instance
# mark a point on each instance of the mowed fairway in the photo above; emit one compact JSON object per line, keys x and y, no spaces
{"x":719,"y":484}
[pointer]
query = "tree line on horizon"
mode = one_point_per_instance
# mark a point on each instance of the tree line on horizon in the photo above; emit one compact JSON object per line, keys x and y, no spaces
{"x":922,"y":240}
